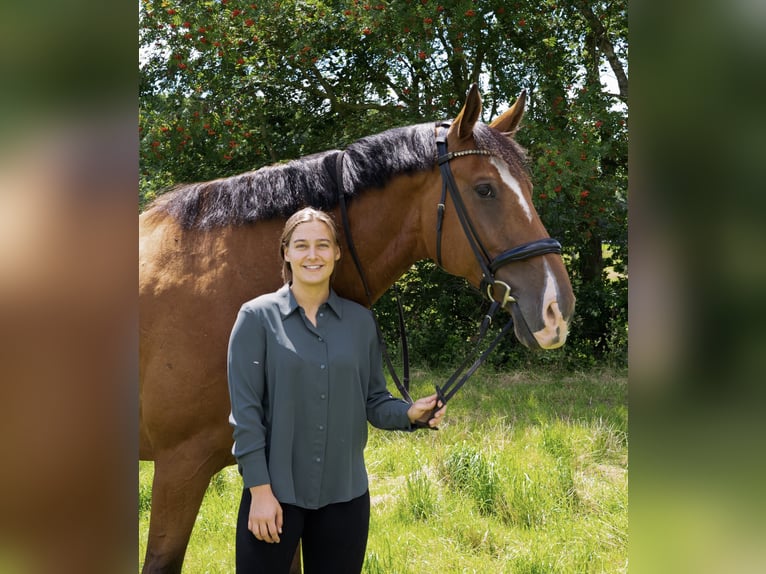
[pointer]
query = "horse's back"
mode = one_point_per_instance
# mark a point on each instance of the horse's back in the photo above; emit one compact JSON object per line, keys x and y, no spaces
{"x":191,"y":285}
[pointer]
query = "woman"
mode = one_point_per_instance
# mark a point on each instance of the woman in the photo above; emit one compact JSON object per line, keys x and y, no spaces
{"x":305,"y":377}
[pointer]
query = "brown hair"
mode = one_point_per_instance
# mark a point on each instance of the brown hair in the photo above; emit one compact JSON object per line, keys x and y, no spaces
{"x":303,"y":216}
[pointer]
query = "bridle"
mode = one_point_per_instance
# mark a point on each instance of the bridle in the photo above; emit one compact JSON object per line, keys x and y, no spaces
{"x":488,"y":264}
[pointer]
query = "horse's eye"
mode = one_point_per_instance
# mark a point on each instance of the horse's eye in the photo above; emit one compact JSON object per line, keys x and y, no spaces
{"x":485,"y":190}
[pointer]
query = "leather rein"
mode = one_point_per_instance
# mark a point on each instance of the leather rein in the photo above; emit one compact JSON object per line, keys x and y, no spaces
{"x":488,"y":266}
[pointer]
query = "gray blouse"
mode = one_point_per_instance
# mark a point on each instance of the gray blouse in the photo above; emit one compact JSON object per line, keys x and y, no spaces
{"x":301,"y":397}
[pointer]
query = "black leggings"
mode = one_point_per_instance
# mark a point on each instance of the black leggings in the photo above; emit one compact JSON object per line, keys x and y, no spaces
{"x":334,"y":539}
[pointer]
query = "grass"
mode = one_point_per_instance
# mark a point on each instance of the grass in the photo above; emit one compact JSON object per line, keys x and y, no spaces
{"x":529,"y":474}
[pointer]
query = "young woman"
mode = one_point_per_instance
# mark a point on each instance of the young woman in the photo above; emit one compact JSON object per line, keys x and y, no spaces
{"x":305,"y":377}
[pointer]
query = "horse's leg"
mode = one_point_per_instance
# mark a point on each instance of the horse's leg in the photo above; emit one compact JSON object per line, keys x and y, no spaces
{"x":181,"y":477}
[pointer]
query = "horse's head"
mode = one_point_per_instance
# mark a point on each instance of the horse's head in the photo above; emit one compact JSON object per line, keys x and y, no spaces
{"x":491,"y":233}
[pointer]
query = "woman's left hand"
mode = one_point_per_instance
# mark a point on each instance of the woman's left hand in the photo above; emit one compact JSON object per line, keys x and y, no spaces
{"x":421,"y":409}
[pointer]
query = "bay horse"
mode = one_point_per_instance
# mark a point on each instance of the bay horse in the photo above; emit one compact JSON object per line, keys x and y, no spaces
{"x":205,"y":248}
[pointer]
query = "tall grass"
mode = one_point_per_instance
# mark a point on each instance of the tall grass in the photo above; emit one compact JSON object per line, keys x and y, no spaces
{"x":528,"y":474}
{"x":470,"y":471}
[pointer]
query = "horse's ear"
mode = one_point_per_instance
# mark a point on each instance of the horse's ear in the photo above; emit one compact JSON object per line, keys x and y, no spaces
{"x":467,"y":117}
{"x":509,"y":122}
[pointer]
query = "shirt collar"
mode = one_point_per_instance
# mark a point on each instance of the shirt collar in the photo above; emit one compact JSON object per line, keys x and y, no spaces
{"x":288,"y":304}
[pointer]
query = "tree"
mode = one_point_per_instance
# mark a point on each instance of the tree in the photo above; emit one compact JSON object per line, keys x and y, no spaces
{"x":228,"y":86}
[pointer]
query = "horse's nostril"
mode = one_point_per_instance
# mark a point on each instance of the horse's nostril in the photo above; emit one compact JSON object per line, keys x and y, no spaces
{"x":552,"y":313}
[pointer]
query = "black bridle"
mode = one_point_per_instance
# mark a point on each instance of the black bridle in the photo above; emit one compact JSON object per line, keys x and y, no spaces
{"x":488,"y":264}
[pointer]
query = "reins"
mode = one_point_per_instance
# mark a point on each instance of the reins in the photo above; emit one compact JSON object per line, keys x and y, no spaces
{"x":488,"y":266}
{"x":402,"y":385}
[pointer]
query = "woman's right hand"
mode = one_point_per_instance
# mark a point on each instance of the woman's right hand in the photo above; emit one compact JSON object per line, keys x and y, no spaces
{"x":265,"y":520}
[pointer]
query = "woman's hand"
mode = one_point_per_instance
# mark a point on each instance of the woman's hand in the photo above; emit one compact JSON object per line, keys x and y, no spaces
{"x":421,"y":409}
{"x":265,"y":519}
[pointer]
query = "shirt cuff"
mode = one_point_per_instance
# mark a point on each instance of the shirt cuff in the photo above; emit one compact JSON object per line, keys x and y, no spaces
{"x":254,"y":469}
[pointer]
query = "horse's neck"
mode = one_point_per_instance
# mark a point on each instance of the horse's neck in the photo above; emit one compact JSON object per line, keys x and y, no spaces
{"x":386,"y":231}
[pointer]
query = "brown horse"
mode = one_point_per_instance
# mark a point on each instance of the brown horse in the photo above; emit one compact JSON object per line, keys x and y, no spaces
{"x":206,"y":248}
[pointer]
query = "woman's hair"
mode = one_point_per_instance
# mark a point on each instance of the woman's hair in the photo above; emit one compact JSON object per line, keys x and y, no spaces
{"x":303,"y":216}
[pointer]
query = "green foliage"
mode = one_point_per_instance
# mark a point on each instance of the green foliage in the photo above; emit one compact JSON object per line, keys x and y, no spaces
{"x":229,"y":86}
{"x":441,"y":313}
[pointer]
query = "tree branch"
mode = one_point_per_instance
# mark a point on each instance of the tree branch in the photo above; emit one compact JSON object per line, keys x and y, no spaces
{"x":327,"y":92}
{"x":606,"y":47}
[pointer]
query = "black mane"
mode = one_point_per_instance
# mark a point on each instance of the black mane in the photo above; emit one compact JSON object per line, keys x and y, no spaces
{"x":280,"y":190}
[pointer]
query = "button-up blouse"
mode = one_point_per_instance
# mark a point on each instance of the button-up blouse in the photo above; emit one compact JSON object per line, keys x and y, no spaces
{"x":301,"y":396}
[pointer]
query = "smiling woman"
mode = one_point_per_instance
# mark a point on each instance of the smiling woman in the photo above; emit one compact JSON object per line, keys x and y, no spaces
{"x":310,"y":242}
{"x":305,"y":376}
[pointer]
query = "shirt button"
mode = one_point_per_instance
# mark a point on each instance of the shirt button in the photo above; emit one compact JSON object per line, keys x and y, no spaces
{"x":317,"y":459}
{"x":321,"y":427}
{"x":323,"y":396}
{"x":321,"y":314}
{"x":321,"y":366}
{"x":319,"y":339}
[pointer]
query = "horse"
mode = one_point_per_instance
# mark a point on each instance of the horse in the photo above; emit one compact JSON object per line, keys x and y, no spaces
{"x":205,"y":248}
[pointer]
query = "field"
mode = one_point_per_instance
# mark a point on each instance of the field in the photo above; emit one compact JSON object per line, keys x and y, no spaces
{"x":529,"y":474}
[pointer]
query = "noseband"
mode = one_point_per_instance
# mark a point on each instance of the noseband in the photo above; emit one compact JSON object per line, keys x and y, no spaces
{"x":488,"y":264}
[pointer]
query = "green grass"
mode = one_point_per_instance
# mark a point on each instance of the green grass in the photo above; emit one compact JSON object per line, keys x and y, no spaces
{"x":529,"y":474}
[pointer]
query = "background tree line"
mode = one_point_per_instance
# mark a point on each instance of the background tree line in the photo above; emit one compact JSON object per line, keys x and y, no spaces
{"x":228,"y":86}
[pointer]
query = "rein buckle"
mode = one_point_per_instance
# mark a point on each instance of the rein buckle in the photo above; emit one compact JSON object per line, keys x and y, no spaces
{"x":506,"y":298}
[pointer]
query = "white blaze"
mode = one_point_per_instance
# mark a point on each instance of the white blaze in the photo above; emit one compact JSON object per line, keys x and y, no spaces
{"x":551,"y":291}
{"x":510,"y":181}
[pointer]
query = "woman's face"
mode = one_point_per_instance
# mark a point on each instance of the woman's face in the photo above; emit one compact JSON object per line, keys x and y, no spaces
{"x":312,"y":253}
